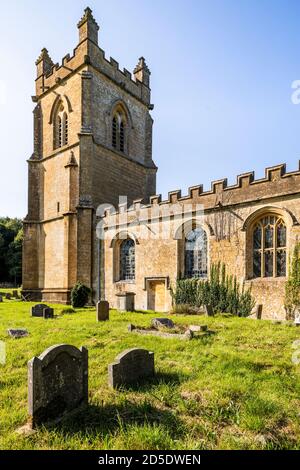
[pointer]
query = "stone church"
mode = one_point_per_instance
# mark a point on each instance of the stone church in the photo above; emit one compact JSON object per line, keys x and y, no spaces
{"x":93,"y":147}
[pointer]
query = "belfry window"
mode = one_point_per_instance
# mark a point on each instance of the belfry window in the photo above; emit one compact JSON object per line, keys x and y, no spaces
{"x":127,"y":260}
{"x":195,"y":254}
{"x":61,"y":128}
{"x":118,"y":131}
{"x":269,"y":247}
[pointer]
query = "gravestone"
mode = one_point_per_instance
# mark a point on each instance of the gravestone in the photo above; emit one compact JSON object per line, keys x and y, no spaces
{"x":258,"y":311}
{"x":162,"y":323}
{"x":38,"y":310}
{"x":20,"y":333}
{"x":126,"y":301}
{"x":48,"y":312}
{"x":15,"y":294}
{"x":57,"y":383}
{"x":209,"y":310}
{"x":102,"y":310}
{"x":131,"y":367}
{"x":1,"y":298}
{"x":8,"y":296}
{"x":297,"y":319}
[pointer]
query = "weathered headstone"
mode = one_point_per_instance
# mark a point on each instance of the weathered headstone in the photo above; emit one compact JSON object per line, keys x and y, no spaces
{"x":38,"y":310}
{"x":131,"y":367}
{"x":8,"y":296}
{"x":15,"y":294}
{"x":48,"y":312}
{"x":126,"y":301}
{"x":102,"y":310}
{"x":131,"y":327}
{"x":1,"y":298}
{"x":258,"y":311}
{"x":57,"y":383}
{"x":209,"y":310}
{"x":17,"y":333}
{"x":297,"y":319}
{"x":162,"y":323}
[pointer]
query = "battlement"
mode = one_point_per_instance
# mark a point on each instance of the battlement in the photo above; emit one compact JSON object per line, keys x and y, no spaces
{"x":277,"y":182}
{"x":88,"y":53}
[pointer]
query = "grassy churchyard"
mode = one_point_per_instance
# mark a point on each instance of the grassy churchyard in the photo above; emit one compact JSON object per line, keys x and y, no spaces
{"x":235,"y":389}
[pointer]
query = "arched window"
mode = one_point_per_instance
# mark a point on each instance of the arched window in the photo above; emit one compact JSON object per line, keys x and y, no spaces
{"x":269,"y":247}
{"x":61,"y":127}
{"x":127,"y":260}
{"x":119,"y":131}
{"x":195,"y":253}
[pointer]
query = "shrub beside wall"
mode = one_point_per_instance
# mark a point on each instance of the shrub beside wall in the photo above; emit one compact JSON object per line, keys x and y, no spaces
{"x":221,"y":291}
{"x":80,"y":295}
{"x":292,"y":287}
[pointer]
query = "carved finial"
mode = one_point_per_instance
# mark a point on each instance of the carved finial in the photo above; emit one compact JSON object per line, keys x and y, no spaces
{"x":88,"y":15}
{"x":88,"y":27}
{"x":72,"y":160}
{"x":141,"y":66}
{"x":44,"y":63}
{"x":142,"y":72}
{"x":44,"y":55}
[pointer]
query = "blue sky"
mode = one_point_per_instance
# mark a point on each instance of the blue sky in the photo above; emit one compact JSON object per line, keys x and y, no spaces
{"x":221,"y":82}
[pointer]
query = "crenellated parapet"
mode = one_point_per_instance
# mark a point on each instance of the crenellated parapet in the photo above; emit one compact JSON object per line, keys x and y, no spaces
{"x":277,"y":182}
{"x":88,"y":54}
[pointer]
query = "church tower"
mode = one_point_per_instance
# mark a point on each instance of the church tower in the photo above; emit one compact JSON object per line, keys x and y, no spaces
{"x":92,"y":144}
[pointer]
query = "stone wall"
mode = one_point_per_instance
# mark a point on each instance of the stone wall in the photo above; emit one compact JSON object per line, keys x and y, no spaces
{"x":227,"y":216}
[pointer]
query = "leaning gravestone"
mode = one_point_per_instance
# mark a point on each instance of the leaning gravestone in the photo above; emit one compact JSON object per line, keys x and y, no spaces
{"x":102,"y":310}
{"x":209,"y":310}
{"x":258,"y":311}
{"x":48,"y":312}
{"x":162,"y":323}
{"x":131,"y":367}
{"x":57,"y":383}
{"x":38,"y":310}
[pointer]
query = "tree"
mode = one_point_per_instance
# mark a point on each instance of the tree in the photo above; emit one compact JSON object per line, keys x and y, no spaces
{"x":11,"y":240}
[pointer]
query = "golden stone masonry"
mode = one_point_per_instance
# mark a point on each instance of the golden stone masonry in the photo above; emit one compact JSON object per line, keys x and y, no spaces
{"x":93,"y":144}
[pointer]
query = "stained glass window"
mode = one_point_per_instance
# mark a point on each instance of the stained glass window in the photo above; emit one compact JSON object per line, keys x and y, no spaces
{"x":269,"y":247}
{"x":196,"y":254}
{"x":127,"y":260}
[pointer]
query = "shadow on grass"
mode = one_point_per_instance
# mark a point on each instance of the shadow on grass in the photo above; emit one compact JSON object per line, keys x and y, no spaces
{"x":160,"y":378}
{"x":107,"y":419}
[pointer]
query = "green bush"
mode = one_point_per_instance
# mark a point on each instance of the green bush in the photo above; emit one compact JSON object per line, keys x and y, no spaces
{"x":80,"y":295}
{"x":221,"y":291}
{"x":292,"y":287}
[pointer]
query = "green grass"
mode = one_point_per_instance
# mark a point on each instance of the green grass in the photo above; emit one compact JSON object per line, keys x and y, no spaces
{"x":235,"y":389}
